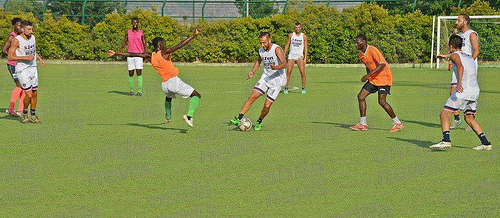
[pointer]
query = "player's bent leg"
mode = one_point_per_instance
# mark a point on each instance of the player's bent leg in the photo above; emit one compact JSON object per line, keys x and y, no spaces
{"x":265,"y":110}
{"x":27,"y":101}
{"x":247,"y":105}
{"x":485,"y":144}
{"x":363,"y":93}
{"x":301,"y":65}
{"x":193,"y":104}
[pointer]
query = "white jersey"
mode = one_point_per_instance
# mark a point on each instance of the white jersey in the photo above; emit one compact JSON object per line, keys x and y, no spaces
{"x":297,"y":45}
{"x":469,"y":78}
{"x":26,"y":48}
{"x":466,"y":44}
{"x":277,"y":77}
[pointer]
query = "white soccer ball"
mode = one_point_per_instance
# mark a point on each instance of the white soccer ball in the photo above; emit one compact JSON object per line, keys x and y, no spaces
{"x":245,"y":124}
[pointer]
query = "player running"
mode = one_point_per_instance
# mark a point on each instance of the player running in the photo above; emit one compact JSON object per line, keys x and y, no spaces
{"x":161,"y":59}
{"x":297,"y":41}
{"x":136,"y":42}
{"x":271,"y":81}
{"x":464,"y":98}
{"x":23,"y":51}
{"x":379,"y":78}
{"x":18,"y":92}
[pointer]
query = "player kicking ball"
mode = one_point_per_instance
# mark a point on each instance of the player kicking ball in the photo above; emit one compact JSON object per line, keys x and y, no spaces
{"x":379,"y":78}
{"x":464,"y":97}
{"x":271,"y":81}
{"x":161,"y":60}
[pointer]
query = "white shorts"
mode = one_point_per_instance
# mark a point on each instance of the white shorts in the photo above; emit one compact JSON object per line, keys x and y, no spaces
{"x":28,"y":78}
{"x":270,"y":87}
{"x":135,"y":63}
{"x":294,"y":57}
{"x":455,"y":104}
{"x":176,"y":86}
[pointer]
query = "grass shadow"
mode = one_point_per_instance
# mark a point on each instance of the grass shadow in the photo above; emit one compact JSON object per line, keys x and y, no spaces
{"x":341,"y":125}
{"x":149,"y":126}
{"x":419,"y":143}
{"x":118,"y":92}
{"x":427,"y":124}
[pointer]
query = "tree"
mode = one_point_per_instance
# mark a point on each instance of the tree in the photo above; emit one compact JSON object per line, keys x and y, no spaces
{"x":257,"y":8}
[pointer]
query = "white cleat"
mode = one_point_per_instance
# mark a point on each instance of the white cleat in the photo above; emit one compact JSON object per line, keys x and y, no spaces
{"x":168,"y":120}
{"x":441,"y":146}
{"x":455,"y":124}
{"x":468,"y":128}
{"x":483,"y":148}
{"x":188,"y":121}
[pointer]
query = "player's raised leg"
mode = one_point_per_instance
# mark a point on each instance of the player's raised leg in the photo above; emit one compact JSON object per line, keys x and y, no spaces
{"x":362,"y":125}
{"x":247,"y":105}
{"x":472,"y":122}
{"x":301,"y":65}
{"x":456,"y":115}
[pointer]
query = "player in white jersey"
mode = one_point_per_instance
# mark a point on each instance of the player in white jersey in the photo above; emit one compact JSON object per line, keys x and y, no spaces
{"x":464,"y":98}
{"x":470,"y":46}
{"x":297,"y":42}
{"x":271,"y":81}
{"x":23,"y":50}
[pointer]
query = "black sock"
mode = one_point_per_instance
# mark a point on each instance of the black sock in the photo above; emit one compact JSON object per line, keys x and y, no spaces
{"x":259,"y":121}
{"x":32,"y":112}
{"x":25,"y":111}
{"x":446,"y":136}
{"x":483,"y":139}
{"x":240,"y":116}
{"x":457,"y":117}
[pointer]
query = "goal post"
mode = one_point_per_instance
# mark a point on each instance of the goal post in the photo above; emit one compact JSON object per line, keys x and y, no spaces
{"x":444,"y":30}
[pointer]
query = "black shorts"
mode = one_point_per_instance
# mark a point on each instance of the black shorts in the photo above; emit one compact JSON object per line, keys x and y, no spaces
{"x":12,"y":71}
{"x":380,"y":89}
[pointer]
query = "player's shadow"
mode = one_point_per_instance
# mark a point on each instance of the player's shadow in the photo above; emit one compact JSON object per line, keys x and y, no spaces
{"x":149,"y":126}
{"x":427,"y":124}
{"x":9,"y":117}
{"x":420,"y":143}
{"x":118,"y":92}
{"x":157,"y":126}
{"x":341,"y":125}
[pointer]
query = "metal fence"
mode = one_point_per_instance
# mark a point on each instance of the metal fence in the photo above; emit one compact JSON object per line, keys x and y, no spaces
{"x":183,"y":10}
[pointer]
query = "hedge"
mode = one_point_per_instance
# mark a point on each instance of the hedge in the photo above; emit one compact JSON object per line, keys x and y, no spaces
{"x":402,"y":38}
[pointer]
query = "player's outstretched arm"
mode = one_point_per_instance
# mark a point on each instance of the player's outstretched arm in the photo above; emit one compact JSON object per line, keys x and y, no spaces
{"x":112,"y":53}
{"x":443,"y":55}
{"x":183,"y":42}
{"x":255,"y":68}
{"x":12,"y":53}
{"x":455,"y":58}
{"x":281,"y":57}
{"x":6,"y":46}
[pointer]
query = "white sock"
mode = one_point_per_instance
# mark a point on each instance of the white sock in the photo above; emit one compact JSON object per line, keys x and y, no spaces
{"x":362,"y":120}
{"x":396,"y":120}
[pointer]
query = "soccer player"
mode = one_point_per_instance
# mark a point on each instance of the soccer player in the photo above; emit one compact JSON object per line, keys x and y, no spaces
{"x":136,"y":42}
{"x":297,"y":41}
{"x":271,"y":81}
{"x":161,"y":59}
{"x":17,"y":93}
{"x":379,"y":78}
{"x":23,"y":51}
{"x":470,"y":46}
{"x":464,"y":97}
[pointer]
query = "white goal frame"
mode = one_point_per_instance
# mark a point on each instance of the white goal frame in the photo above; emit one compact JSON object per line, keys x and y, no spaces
{"x":439,"y":18}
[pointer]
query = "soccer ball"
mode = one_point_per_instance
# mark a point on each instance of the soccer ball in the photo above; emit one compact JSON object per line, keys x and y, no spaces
{"x":245,"y":124}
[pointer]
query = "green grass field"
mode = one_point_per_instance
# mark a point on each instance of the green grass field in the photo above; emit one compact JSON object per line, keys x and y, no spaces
{"x":99,"y":152}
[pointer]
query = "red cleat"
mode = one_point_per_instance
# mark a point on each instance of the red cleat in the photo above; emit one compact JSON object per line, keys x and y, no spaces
{"x":359,"y":127}
{"x":397,"y":127}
